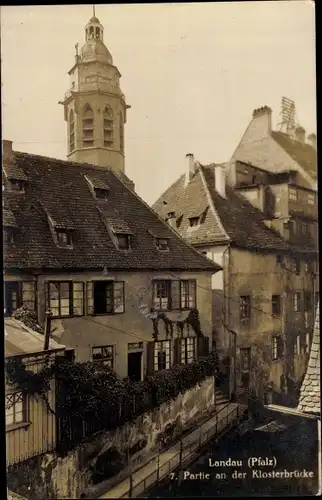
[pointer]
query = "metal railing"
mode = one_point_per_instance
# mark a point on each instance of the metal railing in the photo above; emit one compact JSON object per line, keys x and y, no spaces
{"x":183,"y":452}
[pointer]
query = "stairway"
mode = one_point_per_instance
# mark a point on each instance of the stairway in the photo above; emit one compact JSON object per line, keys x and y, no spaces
{"x":221,"y":399}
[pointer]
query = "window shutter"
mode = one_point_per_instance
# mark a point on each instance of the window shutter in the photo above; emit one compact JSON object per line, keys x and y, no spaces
{"x":177,"y":351}
{"x":118,"y":297}
{"x":150,"y":357}
{"x":175,"y":294}
{"x":89,"y":298}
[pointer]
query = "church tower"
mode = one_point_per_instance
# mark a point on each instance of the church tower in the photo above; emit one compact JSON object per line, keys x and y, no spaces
{"x":95,"y":107}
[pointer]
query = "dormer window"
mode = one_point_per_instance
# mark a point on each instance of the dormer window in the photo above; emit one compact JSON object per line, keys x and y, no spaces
{"x":123,"y":241}
{"x":16,"y":185}
{"x":162,"y":243}
{"x":64,"y":237}
{"x":171,"y":215}
{"x":101,"y":194}
{"x":193,"y":221}
{"x":9,"y":235}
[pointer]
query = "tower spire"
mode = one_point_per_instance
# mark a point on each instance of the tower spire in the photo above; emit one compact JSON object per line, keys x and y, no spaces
{"x":93,"y":10}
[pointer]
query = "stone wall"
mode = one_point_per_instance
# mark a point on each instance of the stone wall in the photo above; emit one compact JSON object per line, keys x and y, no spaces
{"x":50,"y":476}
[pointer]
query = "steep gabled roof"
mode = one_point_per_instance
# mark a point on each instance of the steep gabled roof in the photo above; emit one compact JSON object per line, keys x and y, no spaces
{"x":310,"y":398}
{"x":304,"y":154}
{"x":231,"y":219}
{"x":57,"y":194}
{"x":187,"y":202}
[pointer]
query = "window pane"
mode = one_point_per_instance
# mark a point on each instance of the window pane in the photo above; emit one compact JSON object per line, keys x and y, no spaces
{"x":64,"y":290}
{"x":118,"y":297}
{"x":53,"y":290}
{"x":9,"y":418}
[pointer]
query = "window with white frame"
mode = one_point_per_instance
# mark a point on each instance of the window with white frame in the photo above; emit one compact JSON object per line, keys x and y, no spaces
{"x":311,"y":199}
{"x":307,"y":342}
{"x":162,"y":355}
{"x":15,"y":408}
{"x":65,"y":298}
{"x":174,"y":294}
{"x":188,"y":294}
{"x":188,"y":347}
{"x":306,"y":319}
{"x":296,"y":301}
{"x":277,"y":347}
{"x":297,"y":345}
{"x":19,"y":293}
{"x":292,"y":194}
{"x":104,"y":354}
{"x":105,"y":297}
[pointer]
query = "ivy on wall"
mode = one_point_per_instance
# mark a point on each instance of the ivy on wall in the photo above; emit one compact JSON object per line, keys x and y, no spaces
{"x":178,"y":325}
{"x":92,"y":389}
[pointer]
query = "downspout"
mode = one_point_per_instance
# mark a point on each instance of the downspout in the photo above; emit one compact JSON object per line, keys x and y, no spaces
{"x":227,"y":310}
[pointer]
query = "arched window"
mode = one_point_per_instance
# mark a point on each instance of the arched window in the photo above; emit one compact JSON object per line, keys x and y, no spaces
{"x":91,"y":32}
{"x":71,"y":131}
{"x":108,"y":126}
{"x":88,"y":127}
{"x":97,"y":33}
{"x":121,"y":127}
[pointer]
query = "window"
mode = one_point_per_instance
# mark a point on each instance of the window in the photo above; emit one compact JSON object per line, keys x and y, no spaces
{"x":64,"y":237}
{"x":123,"y":241}
{"x":101,"y":194}
{"x":8,"y":235}
{"x":66,"y":298}
{"x":296,"y":266}
{"x":311,"y":199}
{"x":104,"y":354}
{"x":188,"y":349}
{"x":307,"y":342}
{"x":308,"y":301}
{"x":88,"y":127}
{"x":306,"y":319}
{"x":297,"y":345}
{"x":108,"y":126}
{"x":174,"y":294}
{"x":15,"y":408}
{"x":277,"y":347}
{"x":193,"y":221}
{"x":292,"y":194}
{"x":19,"y":293}
{"x":162,"y":355}
{"x":105,"y":297}
{"x":302,"y":228}
{"x":121,"y":132}
{"x":16,"y":185}
{"x":71,"y":131}
{"x":276,"y":305}
{"x":245,"y":359}
{"x":162,"y":243}
{"x":296,"y":301}
{"x":188,"y":294}
{"x":244,"y":307}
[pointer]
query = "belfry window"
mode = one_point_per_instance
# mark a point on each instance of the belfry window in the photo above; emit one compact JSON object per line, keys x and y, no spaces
{"x":71,"y":131}
{"x":88,"y":127}
{"x":108,"y":126}
{"x":121,"y":134}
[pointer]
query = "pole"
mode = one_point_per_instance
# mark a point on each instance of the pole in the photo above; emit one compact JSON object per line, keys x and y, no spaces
{"x":47,"y":330}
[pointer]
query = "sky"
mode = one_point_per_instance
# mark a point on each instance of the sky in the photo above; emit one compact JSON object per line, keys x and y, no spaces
{"x":193,"y":73}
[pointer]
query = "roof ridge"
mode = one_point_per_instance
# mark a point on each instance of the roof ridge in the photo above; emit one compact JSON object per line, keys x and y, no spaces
{"x":64,"y":162}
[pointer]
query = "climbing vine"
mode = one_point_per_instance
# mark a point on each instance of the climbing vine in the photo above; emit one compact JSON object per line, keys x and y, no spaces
{"x":169,"y":325}
{"x":86,"y":390}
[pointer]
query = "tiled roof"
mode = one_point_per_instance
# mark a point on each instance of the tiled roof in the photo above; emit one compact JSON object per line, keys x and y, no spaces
{"x":57,"y":190}
{"x":8,"y":218}
{"x":310,"y":398}
{"x":21,"y":339}
{"x":13,"y":172}
{"x":231,"y":219}
{"x":304,"y":154}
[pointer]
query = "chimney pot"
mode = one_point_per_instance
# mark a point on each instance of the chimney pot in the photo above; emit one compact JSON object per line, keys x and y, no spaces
{"x":190,"y":168}
{"x":7,"y":148}
{"x":220,"y":180}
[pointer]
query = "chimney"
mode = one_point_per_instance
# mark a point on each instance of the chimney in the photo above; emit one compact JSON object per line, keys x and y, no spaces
{"x":311,"y":139}
{"x":220,"y":180}
{"x":7,"y":149}
{"x":190,"y":168}
{"x":300,"y":134}
{"x":264,"y":115}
